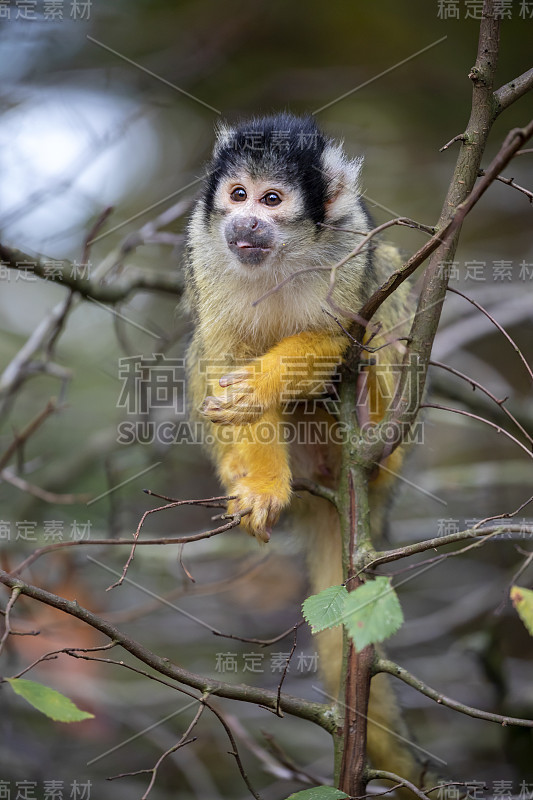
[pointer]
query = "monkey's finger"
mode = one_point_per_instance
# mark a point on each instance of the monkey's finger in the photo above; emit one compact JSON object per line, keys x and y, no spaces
{"x":210,"y":405}
{"x":233,"y":377}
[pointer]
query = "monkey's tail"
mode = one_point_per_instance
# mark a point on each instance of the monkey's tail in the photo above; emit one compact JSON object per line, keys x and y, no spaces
{"x":390,"y":745}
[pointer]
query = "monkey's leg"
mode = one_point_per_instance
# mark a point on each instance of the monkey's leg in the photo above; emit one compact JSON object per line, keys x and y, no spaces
{"x":254,"y":466}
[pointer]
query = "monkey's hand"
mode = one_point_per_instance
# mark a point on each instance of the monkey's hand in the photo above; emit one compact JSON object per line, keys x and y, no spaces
{"x":297,"y":367}
{"x":243,"y":402}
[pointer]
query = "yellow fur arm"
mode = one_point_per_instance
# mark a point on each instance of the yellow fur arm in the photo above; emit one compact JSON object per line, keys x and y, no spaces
{"x":297,"y":367}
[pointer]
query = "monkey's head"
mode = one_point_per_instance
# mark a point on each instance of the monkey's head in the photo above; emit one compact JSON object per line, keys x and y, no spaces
{"x":271,"y":184}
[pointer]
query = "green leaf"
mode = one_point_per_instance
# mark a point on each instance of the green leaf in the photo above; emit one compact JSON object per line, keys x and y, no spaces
{"x":325,"y":609}
{"x":372,"y":612}
{"x":319,"y":793}
{"x":523,"y":602}
{"x":54,"y":704}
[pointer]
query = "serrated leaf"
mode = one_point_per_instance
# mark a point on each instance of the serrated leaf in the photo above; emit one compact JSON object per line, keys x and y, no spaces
{"x":325,"y":609}
{"x":54,"y":704}
{"x":372,"y":612}
{"x":319,"y":793}
{"x":523,"y":602}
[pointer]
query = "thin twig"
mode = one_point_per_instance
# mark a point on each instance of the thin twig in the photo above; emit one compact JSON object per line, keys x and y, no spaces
{"x":477,"y":385}
{"x":210,"y":502}
{"x":387,"y":556}
{"x":279,"y":712}
{"x":181,"y":743}
{"x":99,"y":223}
{"x":260,"y":642}
{"x":20,"y":438}
{"x":459,"y":138}
{"x":511,"y":182}
{"x":384,"y":665}
{"x":233,"y":523}
{"x":69,"y":651}
{"x":375,"y":774}
{"x":333,"y":268}
{"x":316,"y":489}
{"x":10,"y":477}
{"x":48,"y":548}
{"x":443,"y":236}
{"x":480,"y":419}
{"x":512,"y":582}
{"x":497,"y":324}
{"x":7,"y":617}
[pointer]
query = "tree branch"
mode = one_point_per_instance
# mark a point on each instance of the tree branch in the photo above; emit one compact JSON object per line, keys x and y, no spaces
{"x":380,"y":774}
{"x":20,"y":438}
{"x":64,"y":274}
{"x":491,"y":318}
{"x":478,"y":403}
{"x":386,"y":556}
{"x":305,"y":709}
{"x":384,"y":665}
{"x":512,"y":91}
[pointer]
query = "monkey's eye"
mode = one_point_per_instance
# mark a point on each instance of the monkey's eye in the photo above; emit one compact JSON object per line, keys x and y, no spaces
{"x":271,"y":199}
{"x":238,"y":194}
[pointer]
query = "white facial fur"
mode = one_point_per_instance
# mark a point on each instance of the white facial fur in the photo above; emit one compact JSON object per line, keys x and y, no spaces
{"x":298,"y":245}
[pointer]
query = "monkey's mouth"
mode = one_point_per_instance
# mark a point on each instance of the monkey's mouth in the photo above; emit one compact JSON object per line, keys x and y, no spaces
{"x":249,"y":252}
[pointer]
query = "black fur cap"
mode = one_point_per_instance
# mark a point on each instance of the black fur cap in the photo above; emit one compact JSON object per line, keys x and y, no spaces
{"x":278,"y":147}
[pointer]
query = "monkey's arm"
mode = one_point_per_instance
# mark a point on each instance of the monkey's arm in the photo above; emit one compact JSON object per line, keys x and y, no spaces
{"x":295,"y":368}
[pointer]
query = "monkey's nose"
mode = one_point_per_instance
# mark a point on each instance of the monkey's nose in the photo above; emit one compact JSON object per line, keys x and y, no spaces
{"x":245,"y":225}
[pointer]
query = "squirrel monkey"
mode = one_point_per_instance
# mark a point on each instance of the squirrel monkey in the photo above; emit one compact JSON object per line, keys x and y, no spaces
{"x":281,"y":200}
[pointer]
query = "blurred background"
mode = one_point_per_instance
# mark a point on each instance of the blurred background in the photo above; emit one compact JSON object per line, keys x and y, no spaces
{"x":115,"y":104}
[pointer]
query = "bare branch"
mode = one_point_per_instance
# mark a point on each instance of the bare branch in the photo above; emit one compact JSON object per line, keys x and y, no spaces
{"x":184,"y":740}
{"x":20,"y":438}
{"x":65,"y":275}
{"x":480,"y":419}
{"x":511,"y":182}
{"x":511,"y":91}
{"x":460,"y":137}
{"x":333,"y":269}
{"x":305,"y":709}
{"x":48,"y":548}
{"x":497,"y":324}
{"x":234,"y":521}
{"x":53,"y":654}
{"x":454,"y":221}
{"x":9,"y":476}
{"x":384,"y":665}
{"x":279,"y":712}
{"x":20,"y":367}
{"x":375,"y":774}
{"x":15,"y":592}
{"x":476,"y":385}
{"x":316,"y":489}
{"x":261,"y":642}
{"x":100,"y":222}
{"x":387,"y":556}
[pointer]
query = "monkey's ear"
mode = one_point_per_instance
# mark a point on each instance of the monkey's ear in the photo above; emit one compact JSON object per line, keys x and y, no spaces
{"x":342,"y":177}
{"x":225,"y":134}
